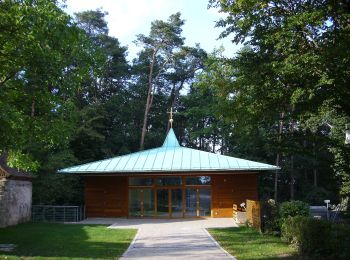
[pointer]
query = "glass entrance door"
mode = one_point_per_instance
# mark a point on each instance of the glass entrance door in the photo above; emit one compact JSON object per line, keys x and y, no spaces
{"x":163,"y":202}
{"x":191,"y":203}
{"x":141,"y":203}
{"x":176,"y":203}
{"x":169,"y":203}
{"x":135,"y":203}
{"x":198,"y":202}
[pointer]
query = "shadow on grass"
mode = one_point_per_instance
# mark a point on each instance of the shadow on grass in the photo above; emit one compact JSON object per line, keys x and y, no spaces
{"x":65,"y":241}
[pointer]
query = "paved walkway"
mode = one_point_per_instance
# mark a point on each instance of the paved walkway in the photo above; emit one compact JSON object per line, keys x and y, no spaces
{"x":171,"y":239}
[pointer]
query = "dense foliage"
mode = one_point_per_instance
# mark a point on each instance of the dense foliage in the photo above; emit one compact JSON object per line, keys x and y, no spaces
{"x":317,"y":238}
{"x":274,"y":215}
{"x":294,"y":208}
{"x":68,"y":95}
{"x":287,"y":90}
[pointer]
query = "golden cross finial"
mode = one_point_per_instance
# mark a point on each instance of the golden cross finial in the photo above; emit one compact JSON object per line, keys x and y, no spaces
{"x":171,"y":120}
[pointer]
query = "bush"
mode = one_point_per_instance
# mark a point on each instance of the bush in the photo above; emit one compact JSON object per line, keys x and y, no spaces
{"x":341,"y":240}
{"x":291,"y":229}
{"x":317,"y":238}
{"x":270,"y":219}
{"x":292,"y":209}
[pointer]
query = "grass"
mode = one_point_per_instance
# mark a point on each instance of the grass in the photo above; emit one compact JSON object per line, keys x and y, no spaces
{"x":62,"y":241}
{"x":247,"y":243}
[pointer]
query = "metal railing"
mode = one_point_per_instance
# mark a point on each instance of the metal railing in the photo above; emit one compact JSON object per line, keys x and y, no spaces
{"x":51,"y":213}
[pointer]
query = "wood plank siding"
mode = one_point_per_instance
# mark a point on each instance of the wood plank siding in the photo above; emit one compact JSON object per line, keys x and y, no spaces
{"x":106,"y":196}
{"x":232,"y":189}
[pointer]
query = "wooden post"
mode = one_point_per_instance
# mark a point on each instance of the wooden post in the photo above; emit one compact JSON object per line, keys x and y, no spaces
{"x":253,"y":210}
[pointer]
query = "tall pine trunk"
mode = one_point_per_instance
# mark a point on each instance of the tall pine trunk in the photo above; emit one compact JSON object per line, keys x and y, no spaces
{"x":278,"y":156}
{"x":314,"y":164}
{"x":148,"y":101}
{"x":292,"y":179}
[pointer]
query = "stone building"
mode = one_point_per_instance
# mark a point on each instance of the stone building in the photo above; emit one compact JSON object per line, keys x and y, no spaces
{"x":15,"y":194}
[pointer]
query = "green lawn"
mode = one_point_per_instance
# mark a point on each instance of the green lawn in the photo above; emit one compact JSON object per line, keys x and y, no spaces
{"x":247,"y":243}
{"x":65,"y":241}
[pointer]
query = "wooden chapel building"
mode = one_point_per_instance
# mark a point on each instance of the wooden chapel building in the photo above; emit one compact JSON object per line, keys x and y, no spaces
{"x":169,"y":181}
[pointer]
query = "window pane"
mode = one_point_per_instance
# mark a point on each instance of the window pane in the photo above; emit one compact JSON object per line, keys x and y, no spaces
{"x":163,"y":203}
{"x":191,"y":203}
{"x":135,"y":203}
{"x":140,"y":181}
{"x":169,"y":181}
{"x":198,"y":180}
{"x":204,"y":202}
{"x":176,"y":203}
{"x":148,"y":203}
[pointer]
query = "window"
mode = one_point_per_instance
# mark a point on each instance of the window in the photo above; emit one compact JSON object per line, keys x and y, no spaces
{"x":140,"y":181}
{"x":169,"y":181}
{"x":198,"y":180}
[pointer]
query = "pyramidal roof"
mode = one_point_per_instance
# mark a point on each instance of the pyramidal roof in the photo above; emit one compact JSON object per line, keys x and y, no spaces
{"x":170,"y":157}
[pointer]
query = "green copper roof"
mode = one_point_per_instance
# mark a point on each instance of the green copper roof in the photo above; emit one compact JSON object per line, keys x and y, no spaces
{"x":170,"y":157}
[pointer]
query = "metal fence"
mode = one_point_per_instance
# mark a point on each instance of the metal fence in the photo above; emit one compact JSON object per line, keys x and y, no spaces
{"x":51,"y":213}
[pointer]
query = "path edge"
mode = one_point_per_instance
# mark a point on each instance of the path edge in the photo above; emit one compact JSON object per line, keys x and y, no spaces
{"x":218,"y":245}
{"x":131,"y":244}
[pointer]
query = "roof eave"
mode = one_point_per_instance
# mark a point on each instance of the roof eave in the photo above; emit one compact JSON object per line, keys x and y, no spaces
{"x":171,"y":171}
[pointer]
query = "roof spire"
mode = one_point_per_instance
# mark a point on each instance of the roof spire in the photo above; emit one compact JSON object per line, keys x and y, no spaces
{"x":171,"y":140}
{"x":171,"y":120}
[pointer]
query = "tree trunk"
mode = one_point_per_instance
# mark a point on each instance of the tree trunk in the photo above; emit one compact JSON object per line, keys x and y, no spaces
{"x":214,"y":143}
{"x":276,"y":177}
{"x":148,"y":101}
{"x":292,"y":180}
{"x":314,"y":164}
{"x":32,"y":113}
{"x":278,"y":156}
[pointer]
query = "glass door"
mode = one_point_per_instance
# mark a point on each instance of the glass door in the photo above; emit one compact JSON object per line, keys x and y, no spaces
{"x":135,"y":203}
{"x":148,"y":203}
{"x":198,"y":202}
{"x":141,"y":203}
{"x":204,"y":202}
{"x":191,"y":203}
{"x":176,"y":203}
{"x":163,"y":202}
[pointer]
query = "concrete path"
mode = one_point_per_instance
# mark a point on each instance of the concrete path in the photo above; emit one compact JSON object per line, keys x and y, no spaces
{"x":171,"y":239}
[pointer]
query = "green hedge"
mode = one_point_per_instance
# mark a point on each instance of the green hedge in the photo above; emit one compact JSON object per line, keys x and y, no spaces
{"x":294,"y":208}
{"x":317,"y":238}
{"x":274,"y":214}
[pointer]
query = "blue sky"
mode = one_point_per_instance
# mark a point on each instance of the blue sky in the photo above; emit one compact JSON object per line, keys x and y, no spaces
{"x":127,"y":18}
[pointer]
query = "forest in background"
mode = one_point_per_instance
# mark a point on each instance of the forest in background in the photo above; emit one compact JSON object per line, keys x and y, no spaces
{"x":69,"y":96}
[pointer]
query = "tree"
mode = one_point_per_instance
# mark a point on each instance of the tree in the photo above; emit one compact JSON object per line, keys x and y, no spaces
{"x":112,"y":72}
{"x":160,"y":47}
{"x":44,"y":57}
{"x":301,"y":50}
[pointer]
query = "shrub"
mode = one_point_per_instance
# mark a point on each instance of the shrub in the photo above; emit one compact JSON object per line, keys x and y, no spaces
{"x":317,"y":238}
{"x":270,"y":219}
{"x":294,"y":208}
{"x":291,"y":229}
{"x":341,"y":240}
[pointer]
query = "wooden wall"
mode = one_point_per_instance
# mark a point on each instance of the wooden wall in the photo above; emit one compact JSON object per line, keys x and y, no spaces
{"x":106,"y":196}
{"x":232,"y":189}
